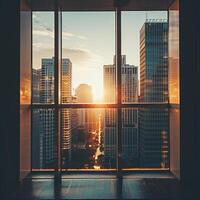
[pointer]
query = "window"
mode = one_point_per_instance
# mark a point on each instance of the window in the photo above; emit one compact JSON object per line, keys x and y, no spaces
{"x":94,"y":107}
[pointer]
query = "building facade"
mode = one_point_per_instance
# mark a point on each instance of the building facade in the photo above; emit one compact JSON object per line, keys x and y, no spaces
{"x":45,"y":153}
{"x":153,"y":122}
{"x":129,"y":116}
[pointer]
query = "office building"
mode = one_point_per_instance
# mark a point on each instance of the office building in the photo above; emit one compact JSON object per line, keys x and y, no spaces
{"x":153,"y":122}
{"x":129,"y":116}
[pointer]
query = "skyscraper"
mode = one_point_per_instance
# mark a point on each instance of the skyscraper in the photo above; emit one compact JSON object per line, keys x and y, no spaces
{"x":45,"y":136}
{"x":88,"y":118}
{"x":153,"y":122}
{"x":129,"y":116}
{"x":47,"y":81}
{"x":36,"y":85}
{"x":45,"y":155}
{"x":66,"y":97}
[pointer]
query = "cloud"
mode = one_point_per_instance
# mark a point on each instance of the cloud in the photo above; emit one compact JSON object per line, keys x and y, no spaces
{"x":79,"y":57}
{"x":43,"y":32}
{"x":76,"y":55}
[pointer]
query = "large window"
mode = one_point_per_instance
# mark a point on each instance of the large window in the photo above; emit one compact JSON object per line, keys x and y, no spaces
{"x":100,"y":90}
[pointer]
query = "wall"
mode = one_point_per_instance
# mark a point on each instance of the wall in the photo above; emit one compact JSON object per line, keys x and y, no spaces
{"x":174,"y":91}
{"x":9,"y":83}
{"x":25,"y":91}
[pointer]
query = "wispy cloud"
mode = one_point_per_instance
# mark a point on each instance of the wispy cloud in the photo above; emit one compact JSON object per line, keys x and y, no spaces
{"x":67,"y":35}
{"x":43,"y":32}
{"x":79,"y":57}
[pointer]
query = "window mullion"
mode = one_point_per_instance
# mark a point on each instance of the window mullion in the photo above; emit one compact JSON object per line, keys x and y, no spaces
{"x":118,"y":75}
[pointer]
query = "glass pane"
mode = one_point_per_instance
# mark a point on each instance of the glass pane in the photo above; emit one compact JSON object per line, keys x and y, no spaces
{"x":43,"y":139}
{"x":43,"y":57}
{"x":144,"y":56}
{"x":88,"y":138}
{"x":87,"y":51}
{"x":145,"y":137}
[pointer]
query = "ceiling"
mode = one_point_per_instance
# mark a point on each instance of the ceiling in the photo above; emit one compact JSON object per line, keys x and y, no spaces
{"x":97,"y":5}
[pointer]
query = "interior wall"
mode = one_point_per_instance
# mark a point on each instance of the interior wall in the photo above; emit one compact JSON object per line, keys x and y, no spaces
{"x":190,"y":95}
{"x":174,"y":91}
{"x":10,"y":101}
{"x":25,"y":91}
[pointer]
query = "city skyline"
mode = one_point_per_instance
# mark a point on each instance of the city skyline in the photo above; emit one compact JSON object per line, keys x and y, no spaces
{"x":92,"y":133}
{"x":85,"y":47}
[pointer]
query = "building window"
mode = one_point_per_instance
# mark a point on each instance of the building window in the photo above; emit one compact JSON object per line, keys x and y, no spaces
{"x":94,"y":107}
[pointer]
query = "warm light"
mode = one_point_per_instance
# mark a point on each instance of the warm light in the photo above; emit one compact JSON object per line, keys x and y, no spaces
{"x":97,"y":167}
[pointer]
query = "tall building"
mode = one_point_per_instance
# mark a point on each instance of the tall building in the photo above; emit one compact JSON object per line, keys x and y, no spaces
{"x":88,"y":118}
{"x":45,"y":136}
{"x":129,"y":116}
{"x":84,"y":93}
{"x":36,"y":85}
{"x":47,"y":81}
{"x":66,"y":97}
{"x":154,"y":62}
{"x":153,"y":122}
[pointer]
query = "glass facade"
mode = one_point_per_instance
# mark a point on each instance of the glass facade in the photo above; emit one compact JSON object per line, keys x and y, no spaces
{"x":43,"y":139}
{"x":154,"y":61}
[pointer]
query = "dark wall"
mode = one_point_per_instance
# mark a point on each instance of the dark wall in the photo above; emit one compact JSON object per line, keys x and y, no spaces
{"x":25,"y":92}
{"x":9,"y":83}
{"x":190,"y":92}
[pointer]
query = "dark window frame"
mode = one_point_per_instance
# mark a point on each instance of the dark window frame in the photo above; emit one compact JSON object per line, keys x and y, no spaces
{"x":119,"y":105}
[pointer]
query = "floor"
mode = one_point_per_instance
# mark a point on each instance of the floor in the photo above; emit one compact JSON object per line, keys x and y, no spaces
{"x":100,"y":186}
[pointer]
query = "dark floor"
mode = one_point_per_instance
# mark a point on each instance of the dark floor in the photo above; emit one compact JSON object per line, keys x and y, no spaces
{"x":100,"y":186}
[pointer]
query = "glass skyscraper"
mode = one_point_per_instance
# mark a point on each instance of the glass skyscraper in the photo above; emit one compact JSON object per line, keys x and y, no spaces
{"x":153,"y":122}
{"x":129,"y":115}
{"x":44,"y":136}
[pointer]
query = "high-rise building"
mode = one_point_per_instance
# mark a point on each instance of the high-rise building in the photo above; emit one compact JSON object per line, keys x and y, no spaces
{"x":45,"y":136}
{"x":47,"y":81}
{"x":84,"y":93}
{"x":153,"y":122}
{"x":88,"y":118}
{"x":129,"y":116}
{"x":154,"y":62}
{"x":36,"y":85}
{"x":66,"y":97}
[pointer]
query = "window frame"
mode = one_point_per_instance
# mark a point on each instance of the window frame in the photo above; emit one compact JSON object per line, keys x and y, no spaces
{"x":119,"y":105}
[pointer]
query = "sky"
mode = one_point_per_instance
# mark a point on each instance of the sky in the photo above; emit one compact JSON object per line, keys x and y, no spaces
{"x":88,"y":40}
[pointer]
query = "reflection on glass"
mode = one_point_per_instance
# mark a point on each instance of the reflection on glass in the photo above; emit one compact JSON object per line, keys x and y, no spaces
{"x":43,"y":139}
{"x":43,"y":60}
{"x":82,"y":47}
